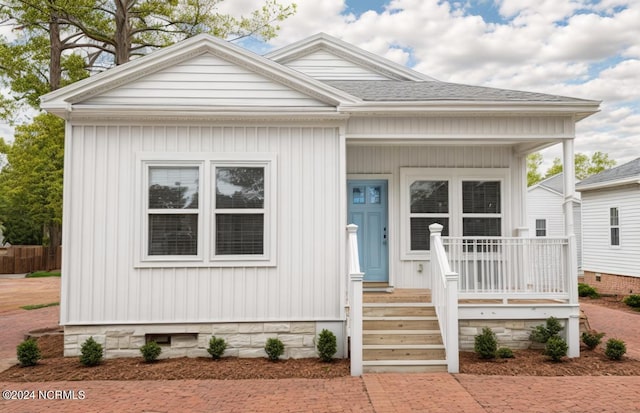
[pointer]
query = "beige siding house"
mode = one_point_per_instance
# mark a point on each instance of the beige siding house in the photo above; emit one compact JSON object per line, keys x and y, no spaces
{"x":208,"y":191}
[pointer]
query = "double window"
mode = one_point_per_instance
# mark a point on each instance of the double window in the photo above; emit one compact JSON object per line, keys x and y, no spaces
{"x":213,"y":211}
{"x":465,"y":205}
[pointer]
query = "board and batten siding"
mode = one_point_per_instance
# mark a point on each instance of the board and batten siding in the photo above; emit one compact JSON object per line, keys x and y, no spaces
{"x":203,"y":81}
{"x":100,"y":282}
{"x":323,"y":65}
{"x":598,"y":253}
{"x":366,"y":160}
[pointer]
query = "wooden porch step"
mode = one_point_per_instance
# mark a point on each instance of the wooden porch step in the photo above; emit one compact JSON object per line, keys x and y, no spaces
{"x":398,"y":296}
{"x":404,"y":366}
{"x":398,"y":310}
{"x":404,"y":352}
{"x":380,"y":287}
{"x":401,"y":338}
{"x":400,"y":323}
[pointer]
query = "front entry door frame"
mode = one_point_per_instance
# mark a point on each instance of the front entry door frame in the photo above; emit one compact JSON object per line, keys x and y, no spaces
{"x":391,"y":219}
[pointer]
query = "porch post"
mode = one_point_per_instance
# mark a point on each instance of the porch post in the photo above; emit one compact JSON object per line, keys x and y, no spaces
{"x":355,"y":301}
{"x":573,"y":324}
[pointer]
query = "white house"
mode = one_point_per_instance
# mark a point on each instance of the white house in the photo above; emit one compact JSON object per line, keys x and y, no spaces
{"x":208,"y":190}
{"x":545,"y":206}
{"x":611,"y":229}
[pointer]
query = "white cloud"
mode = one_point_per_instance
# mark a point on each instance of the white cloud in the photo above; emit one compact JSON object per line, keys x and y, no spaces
{"x":568,"y":47}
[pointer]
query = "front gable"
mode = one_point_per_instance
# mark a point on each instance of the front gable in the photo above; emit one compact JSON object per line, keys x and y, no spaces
{"x":206,"y":81}
{"x":324,"y":57}
{"x":202,"y":74}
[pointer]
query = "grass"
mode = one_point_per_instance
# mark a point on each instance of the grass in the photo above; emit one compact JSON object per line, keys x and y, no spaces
{"x":42,"y":274}
{"x":37,"y":306}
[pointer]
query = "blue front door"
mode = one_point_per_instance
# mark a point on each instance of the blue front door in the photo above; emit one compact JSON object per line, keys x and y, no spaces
{"x":368,"y":210}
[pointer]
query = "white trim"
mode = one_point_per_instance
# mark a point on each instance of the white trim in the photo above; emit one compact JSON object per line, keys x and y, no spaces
{"x":206,"y":163}
{"x":455,"y":177}
{"x":392,"y":233}
{"x":611,"y":226}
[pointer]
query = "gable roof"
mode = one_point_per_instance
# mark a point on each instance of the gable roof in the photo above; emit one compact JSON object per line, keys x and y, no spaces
{"x":628,"y":173}
{"x":347,"y":51}
{"x":62,"y":100}
{"x":409,"y":92}
{"x":554,"y":183}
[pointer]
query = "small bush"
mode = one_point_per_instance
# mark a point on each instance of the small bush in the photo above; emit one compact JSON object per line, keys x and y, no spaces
{"x":274,"y":349}
{"x":91,"y":352}
{"x":327,"y":345}
{"x":217,"y":346}
{"x":592,"y":339}
{"x":28,"y":353}
{"x":632,"y":300}
{"x":615,"y":349}
{"x":486,"y":344}
{"x":150,"y":351}
{"x":556,"y":348}
{"x":585,"y":290}
{"x":542,"y":333}
{"x":505,"y":353}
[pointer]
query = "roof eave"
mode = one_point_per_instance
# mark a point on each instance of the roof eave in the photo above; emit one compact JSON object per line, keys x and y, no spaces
{"x":579,"y":110}
{"x":609,"y":184}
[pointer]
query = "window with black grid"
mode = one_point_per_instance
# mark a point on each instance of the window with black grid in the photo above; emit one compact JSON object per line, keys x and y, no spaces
{"x":614,"y":222}
{"x":429,"y":204}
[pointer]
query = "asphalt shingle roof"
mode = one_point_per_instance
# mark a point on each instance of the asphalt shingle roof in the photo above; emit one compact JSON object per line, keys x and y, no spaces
{"x":555,"y":183}
{"x":398,"y":90}
{"x":627,"y":170}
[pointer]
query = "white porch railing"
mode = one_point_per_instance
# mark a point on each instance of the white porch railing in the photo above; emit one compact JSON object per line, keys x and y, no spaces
{"x":444,"y":295}
{"x":504,"y":268}
{"x":354,"y":300}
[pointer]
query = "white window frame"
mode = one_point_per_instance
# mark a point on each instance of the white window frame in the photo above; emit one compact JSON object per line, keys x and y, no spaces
{"x":266,"y":210}
{"x":616,"y":226}
{"x":455,"y":177}
{"x":542,"y":228}
{"x":206,"y":219}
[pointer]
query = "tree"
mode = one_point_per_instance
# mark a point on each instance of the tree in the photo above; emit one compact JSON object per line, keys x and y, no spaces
{"x":534,"y":160}
{"x":31,"y":183}
{"x":584,"y":166}
{"x":61,"y":41}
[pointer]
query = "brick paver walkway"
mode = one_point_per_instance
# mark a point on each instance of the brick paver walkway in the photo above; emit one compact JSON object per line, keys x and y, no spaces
{"x":617,"y":324}
{"x":379,"y":393}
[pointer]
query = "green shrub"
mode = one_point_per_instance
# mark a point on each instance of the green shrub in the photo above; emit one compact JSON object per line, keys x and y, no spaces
{"x":327,"y":345}
{"x":585,"y":290}
{"x":486,"y":344}
{"x":556,"y":348}
{"x":615,"y":349}
{"x":150,"y":351}
{"x":274,"y":349}
{"x":632,"y":300}
{"x":217,"y":346}
{"x":542,"y":333}
{"x":91,"y":352}
{"x":592,"y":339}
{"x":504,"y":353}
{"x":28,"y":353}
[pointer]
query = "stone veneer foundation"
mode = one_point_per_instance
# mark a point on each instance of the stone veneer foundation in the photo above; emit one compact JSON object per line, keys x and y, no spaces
{"x":192,"y":340}
{"x":513,"y":334}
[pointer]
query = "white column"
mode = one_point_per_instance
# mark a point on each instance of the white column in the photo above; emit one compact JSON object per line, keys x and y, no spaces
{"x":573,"y":324}
{"x":355,"y":301}
{"x":453,"y":362}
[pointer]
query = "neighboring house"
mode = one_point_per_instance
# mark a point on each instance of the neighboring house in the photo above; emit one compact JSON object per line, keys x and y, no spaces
{"x":208,"y":191}
{"x":611,"y":229}
{"x":545,"y":209}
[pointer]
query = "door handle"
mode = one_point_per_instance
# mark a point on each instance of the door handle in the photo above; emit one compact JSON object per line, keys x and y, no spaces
{"x":384,"y":235}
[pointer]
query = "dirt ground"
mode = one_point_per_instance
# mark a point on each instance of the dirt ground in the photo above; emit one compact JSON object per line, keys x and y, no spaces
{"x":14,"y":293}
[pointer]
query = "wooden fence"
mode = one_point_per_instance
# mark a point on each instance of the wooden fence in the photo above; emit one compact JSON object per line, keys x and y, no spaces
{"x":19,"y":259}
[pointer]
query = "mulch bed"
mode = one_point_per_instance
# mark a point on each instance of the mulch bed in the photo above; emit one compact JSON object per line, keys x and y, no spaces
{"x":55,"y":367}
